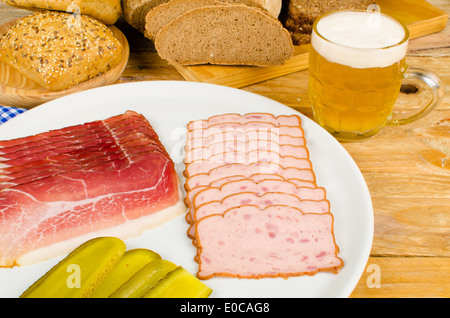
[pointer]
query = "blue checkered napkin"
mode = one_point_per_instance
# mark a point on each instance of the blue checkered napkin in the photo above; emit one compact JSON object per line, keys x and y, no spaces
{"x":6,"y":113}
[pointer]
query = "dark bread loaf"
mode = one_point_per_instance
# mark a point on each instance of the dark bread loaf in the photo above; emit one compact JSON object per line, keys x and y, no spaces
{"x":134,"y":11}
{"x":164,"y":13}
{"x":301,"y":15}
{"x":232,"y":34}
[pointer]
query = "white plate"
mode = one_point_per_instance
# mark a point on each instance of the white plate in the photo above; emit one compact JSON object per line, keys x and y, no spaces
{"x":169,"y":106}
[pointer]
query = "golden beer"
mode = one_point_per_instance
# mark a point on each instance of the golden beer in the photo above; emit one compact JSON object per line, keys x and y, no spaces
{"x":353,"y":86}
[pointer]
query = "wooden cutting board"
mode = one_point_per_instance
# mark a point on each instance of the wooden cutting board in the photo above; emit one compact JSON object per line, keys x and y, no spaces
{"x":421,"y":17}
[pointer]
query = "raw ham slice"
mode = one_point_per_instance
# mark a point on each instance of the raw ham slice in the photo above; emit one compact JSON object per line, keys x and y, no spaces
{"x":278,"y":241}
{"x":81,"y":158}
{"x":71,"y":143}
{"x":120,"y":191}
{"x":113,"y":125}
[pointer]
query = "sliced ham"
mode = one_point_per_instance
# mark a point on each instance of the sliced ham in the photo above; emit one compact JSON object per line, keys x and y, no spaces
{"x":221,"y":132}
{"x":259,"y":188}
{"x":131,"y":121}
{"x":267,"y":163}
{"x":262,"y":201}
{"x":278,"y":241}
{"x":249,"y":179}
{"x":292,"y":120}
{"x":122,"y":197}
{"x":196,"y":153}
{"x":257,"y":168}
{"x":75,"y":160}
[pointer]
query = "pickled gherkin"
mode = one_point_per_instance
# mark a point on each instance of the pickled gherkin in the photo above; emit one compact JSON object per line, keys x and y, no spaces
{"x":101,"y":268}
{"x":78,"y":274}
{"x":179,"y":283}
{"x":131,"y":263}
{"x":144,"y":280}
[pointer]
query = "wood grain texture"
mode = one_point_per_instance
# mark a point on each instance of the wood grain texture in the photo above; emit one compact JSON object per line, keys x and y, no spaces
{"x":407,"y":168}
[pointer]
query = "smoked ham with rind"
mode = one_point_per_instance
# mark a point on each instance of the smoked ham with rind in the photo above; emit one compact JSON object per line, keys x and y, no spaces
{"x":119,"y":191}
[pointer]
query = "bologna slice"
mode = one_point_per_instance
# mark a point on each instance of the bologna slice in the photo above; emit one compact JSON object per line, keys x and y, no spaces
{"x":262,"y":201}
{"x":281,"y":120}
{"x":278,"y":241}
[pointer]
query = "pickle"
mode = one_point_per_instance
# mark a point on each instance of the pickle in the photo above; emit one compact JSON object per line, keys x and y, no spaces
{"x":144,"y":280}
{"x":179,"y":284}
{"x":131,"y":262}
{"x":78,"y":274}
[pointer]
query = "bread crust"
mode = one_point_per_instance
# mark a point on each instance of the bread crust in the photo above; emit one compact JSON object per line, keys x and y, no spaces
{"x":302,"y":14}
{"x":106,"y":11}
{"x":229,"y":35}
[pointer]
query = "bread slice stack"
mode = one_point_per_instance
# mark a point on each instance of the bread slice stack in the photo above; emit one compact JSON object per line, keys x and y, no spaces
{"x":233,"y":32}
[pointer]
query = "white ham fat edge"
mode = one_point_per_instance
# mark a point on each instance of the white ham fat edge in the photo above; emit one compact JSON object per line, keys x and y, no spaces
{"x":129,"y":229}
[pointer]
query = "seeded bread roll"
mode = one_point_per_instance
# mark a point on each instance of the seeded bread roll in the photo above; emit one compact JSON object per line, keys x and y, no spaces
{"x":106,"y":11}
{"x":134,"y":11}
{"x":229,"y":35}
{"x":160,"y":15}
{"x":58,"y":51}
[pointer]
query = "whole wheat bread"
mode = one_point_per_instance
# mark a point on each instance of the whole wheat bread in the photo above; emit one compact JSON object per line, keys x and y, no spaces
{"x":160,"y":15}
{"x":134,"y":11}
{"x":301,"y":15}
{"x":228,"y":34}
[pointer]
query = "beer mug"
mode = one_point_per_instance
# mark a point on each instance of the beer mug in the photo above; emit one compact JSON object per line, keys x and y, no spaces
{"x":356,"y":68}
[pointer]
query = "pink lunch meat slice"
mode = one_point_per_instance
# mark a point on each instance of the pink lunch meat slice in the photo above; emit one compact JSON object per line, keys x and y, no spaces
{"x":259,"y":188}
{"x":249,"y":242}
{"x":262,"y":201}
{"x":202,"y":146}
{"x":265,"y":163}
{"x":190,"y":193}
{"x":241,"y":147}
{"x":246,"y":171}
{"x":287,"y":120}
{"x":249,"y":131}
{"x":299,"y":177}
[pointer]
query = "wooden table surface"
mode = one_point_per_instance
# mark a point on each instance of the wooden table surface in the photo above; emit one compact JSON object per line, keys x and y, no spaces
{"x":407,"y":168}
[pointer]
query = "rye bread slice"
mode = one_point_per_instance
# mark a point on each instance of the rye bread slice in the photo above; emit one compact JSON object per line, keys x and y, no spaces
{"x":162,"y":14}
{"x":159,"y":16}
{"x":134,"y":11}
{"x":233,"y":34}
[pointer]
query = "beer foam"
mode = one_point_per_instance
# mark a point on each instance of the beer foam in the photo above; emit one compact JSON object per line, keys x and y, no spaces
{"x":360,"y":39}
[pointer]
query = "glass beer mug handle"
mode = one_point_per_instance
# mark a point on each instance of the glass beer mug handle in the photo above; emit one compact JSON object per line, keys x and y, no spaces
{"x":430,"y":79}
